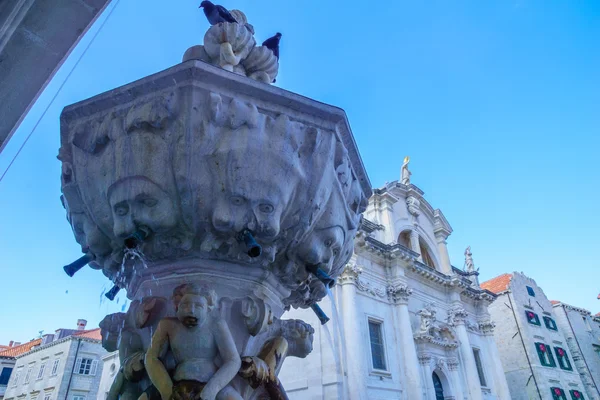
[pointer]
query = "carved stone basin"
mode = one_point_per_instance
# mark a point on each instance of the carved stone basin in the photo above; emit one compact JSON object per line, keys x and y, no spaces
{"x":180,"y":165}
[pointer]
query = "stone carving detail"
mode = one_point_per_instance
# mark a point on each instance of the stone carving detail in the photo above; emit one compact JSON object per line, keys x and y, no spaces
{"x":469,"y":264}
{"x":433,"y":331}
{"x":413,"y":205}
{"x":424,"y":358}
{"x":232,"y":47}
{"x":367,"y":287}
{"x":456,"y":316}
{"x":440,"y":363}
{"x":472,"y":326}
{"x":399,"y":293}
{"x":452,"y":363}
{"x":487,"y":327}
{"x":196,"y":176}
{"x":350,"y":273}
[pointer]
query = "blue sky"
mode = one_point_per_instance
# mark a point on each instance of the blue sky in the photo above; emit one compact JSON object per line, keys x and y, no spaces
{"x":496,"y":102}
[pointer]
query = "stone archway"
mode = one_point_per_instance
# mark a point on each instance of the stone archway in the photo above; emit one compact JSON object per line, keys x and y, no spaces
{"x":442,"y":387}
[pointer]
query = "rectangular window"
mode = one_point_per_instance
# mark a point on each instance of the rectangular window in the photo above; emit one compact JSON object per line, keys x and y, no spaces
{"x":28,"y":374}
{"x":558,"y":393}
{"x":41,"y":371}
{"x":563,"y":359}
{"x":530,"y":291}
{"x":550,"y":324}
{"x":532,"y":318}
{"x":15,"y":381}
{"x":78,"y":397}
{"x":86,"y":366}
{"x":545,"y":354}
{"x":47,"y":396}
{"x":377,"y":347}
{"x":55,"y":367}
{"x":576,"y":395}
{"x":5,"y":376}
{"x":477,"y":355}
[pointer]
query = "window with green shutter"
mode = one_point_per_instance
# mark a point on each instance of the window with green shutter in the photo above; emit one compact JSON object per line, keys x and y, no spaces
{"x":563,"y":359}
{"x":550,"y":323}
{"x":558,"y":393}
{"x":576,"y":395}
{"x":532,"y":318}
{"x":545,"y":354}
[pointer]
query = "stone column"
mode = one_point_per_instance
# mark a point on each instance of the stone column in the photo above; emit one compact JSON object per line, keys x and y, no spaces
{"x":452,"y":364}
{"x":351,"y":320}
{"x":500,"y":384}
{"x":414,"y":243}
{"x":428,"y":391}
{"x":399,"y":294}
{"x":446,"y":266}
{"x":466,"y":353}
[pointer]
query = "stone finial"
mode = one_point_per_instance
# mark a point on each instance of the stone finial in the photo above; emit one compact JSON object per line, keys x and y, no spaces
{"x":404,"y":172}
{"x":232,"y":46}
{"x":399,"y":293}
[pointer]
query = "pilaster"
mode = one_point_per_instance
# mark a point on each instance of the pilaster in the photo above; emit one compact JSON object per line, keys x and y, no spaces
{"x":457,"y":317}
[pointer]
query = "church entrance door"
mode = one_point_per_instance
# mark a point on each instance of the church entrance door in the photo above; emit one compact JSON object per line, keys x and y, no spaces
{"x":437,"y":385}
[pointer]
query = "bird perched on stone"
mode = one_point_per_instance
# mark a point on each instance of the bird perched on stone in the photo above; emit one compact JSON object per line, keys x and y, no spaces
{"x":272,"y":44}
{"x":216,"y":14}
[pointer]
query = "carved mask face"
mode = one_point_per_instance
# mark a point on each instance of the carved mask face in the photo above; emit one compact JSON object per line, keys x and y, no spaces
{"x":254,"y":203}
{"x":89,"y":236}
{"x":301,"y":338}
{"x":137,"y":202}
{"x":192,"y":310}
{"x":322,"y":246}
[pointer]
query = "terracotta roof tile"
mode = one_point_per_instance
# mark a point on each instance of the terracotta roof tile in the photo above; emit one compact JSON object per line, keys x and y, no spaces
{"x":20,"y":349}
{"x":498,"y":284}
{"x":597,"y":315}
{"x":554,"y":302}
{"x":90,"y":334}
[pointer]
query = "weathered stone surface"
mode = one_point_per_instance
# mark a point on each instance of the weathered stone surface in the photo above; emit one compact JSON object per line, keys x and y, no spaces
{"x":186,"y":161}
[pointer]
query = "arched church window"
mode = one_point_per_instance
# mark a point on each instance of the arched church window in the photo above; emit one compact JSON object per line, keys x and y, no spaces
{"x":404,"y":239}
{"x":425,"y":255}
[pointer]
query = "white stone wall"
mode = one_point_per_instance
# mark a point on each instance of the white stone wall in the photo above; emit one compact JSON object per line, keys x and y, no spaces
{"x":365,"y":296}
{"x":514,"y":352}
{"x":65,"y":350}
{"x":111,"y":365}
{"x":582,"y":333}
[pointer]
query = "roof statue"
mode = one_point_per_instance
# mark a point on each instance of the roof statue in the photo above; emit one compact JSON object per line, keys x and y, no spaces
{"x":405,"y":173}
{"x":469,"y":264}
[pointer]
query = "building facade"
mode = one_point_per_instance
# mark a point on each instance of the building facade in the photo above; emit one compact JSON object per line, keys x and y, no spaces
{"x":110,"y":367}
{"x":582,"y":332}
{"x":65,"y":365}
{"x":535,"y":354}
{"x":8,"y":358}
{"x":411,"y":325}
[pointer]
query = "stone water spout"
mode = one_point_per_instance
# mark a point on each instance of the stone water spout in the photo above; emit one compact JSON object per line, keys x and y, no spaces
{"x":160,"y":167}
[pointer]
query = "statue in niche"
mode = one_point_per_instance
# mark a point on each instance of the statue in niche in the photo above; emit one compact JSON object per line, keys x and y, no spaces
{"x":196,"y":339}
{"x":469,"y":264}
{"x":427,"y":316}
{"x":405,"y":173}
{"x":133,"y":328}
{"x":295,"y":338}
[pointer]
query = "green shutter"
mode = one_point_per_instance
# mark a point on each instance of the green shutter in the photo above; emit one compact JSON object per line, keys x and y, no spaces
{"x":574,"y":397}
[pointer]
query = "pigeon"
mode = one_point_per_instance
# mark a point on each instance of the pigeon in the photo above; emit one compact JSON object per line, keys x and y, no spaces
{"x":216,"y":14}
{"x":272,"y":44}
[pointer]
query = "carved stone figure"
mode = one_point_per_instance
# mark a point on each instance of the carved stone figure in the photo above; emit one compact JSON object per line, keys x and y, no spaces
{"x":196,"y":339}
{"x":405,"y":173}
{"x":469,"y":265}
{"x":427,"y":315}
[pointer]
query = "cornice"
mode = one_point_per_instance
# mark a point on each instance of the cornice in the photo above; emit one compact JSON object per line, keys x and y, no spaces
{"x":63,"y":340}
{"x":580,"y":310}
{"x":369,"y":226}
{"x":424,"y":338}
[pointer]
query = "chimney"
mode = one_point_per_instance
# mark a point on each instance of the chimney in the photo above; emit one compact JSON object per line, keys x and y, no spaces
{"x":81,"y":323}
{"x":15,"y":344}
{"x":11,"y":343}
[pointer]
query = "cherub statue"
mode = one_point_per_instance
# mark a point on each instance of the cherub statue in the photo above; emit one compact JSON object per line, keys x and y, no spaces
{"x":196,"y":339}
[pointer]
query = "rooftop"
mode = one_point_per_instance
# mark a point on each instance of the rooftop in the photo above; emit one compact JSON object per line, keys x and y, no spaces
{"x":498,"y":284}
{"x":90,"y":334}
{"x":20,"y":349}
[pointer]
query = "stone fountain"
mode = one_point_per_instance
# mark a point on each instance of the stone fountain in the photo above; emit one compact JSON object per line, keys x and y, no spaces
{"x":217,"y":201}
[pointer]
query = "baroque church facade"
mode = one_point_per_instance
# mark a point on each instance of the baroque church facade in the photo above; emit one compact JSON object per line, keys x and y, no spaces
{"x":406,"y":323}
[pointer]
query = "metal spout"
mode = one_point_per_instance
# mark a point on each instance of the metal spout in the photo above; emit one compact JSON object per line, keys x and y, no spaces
{"x":136,"y":238}
{"x":321,"y":275}
{"x":112,"y":293}
{"x":253,"y":248}
{"x":76,"y":265}
{"x":320,"y":314}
